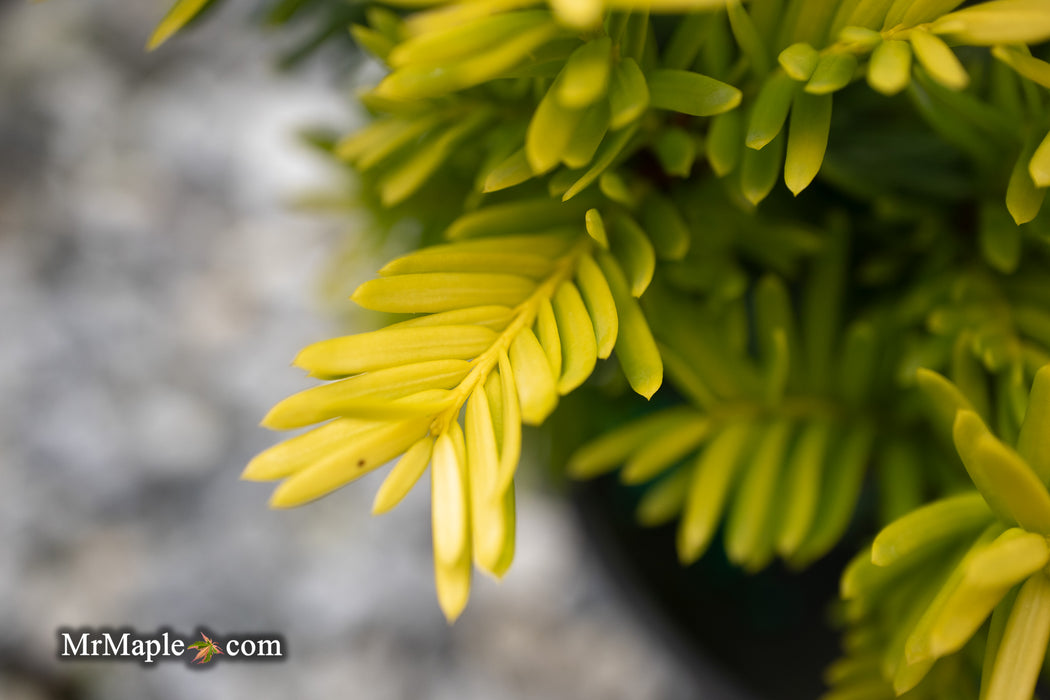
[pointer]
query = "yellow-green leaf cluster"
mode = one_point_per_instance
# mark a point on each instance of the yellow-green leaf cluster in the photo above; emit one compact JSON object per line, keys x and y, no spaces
{"x":503,"y":323}
{"x":976,"y":556}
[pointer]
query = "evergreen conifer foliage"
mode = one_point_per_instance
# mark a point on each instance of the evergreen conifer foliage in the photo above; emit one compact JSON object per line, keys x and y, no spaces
{"x":820,"y":221}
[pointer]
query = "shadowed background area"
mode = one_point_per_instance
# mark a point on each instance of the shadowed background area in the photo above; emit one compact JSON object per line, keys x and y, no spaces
{"x":153,"y":288}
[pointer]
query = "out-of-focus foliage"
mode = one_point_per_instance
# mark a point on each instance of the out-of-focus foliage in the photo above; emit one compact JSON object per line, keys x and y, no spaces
{"x":324,"y":21}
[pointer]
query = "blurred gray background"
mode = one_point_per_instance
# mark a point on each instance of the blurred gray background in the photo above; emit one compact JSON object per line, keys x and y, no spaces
{"x":154,"y":286}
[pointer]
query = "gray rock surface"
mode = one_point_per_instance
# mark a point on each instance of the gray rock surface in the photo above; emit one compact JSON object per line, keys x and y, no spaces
{"x":153,"y":288}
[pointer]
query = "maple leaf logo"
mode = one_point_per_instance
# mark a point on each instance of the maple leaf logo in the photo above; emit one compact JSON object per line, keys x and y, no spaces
{"x":205,"y":650}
